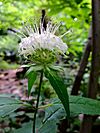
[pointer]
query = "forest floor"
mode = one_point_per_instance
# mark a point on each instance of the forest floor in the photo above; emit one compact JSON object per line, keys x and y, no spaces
{"x":10,"y":84}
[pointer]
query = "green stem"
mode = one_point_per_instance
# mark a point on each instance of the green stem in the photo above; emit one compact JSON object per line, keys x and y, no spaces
{"x":40,"y":83}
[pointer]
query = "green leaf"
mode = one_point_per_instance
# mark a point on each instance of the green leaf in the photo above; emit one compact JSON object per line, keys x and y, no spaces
{"x":31,"y":75}
{"x":59,"y":87}
{"x":54,"y":112}
{"x":82,"y":105}
{"x":37,"y":68}
{"x":56,"y":68}
{"x":26,"y":128}
{"x":8,"y":105}
{"x":34,"y":68}
{"x":8,"y":100}
{"x":48,"y":127}
{"x":78,"y":105}
{"x":26,"y":65}
{"x":7,"y":109}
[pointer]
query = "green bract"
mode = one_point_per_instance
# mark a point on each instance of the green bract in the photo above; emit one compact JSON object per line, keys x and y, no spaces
{"x":43,"y":57}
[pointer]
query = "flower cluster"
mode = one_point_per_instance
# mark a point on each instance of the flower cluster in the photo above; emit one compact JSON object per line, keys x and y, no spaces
{"x":40,"y":39}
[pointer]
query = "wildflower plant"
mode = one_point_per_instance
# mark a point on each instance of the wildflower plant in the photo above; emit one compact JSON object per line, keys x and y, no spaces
{"x":42,"y":47}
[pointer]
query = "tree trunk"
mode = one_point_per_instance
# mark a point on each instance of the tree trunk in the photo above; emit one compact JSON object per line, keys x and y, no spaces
{"x":87,"y":123}
{"x":83,"y":64}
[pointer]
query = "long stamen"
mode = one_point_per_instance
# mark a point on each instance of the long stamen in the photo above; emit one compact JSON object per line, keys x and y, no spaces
{"x":56,"y":28}
{"x":31,"y":30}
{"x":65,"y":34}
{"x":49,"y":27}
{"x":21,"y":33}
{"x":28,"y":28}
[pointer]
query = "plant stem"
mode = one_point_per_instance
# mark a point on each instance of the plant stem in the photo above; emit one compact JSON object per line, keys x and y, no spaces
{"x":40,"y":83}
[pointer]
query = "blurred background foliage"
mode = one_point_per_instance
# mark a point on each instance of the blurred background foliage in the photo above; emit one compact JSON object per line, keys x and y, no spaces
{"x":74,"y":15}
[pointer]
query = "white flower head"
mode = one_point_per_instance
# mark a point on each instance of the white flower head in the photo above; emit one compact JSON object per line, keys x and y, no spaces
{"x":41,"y":39}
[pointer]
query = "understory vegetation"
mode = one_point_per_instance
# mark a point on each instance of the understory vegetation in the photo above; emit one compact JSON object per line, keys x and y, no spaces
{"x":65,"y":99}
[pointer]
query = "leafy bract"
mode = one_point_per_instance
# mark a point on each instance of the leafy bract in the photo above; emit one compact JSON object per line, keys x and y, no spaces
{"x":34,"y":68}
{"x":56,"y":68}
{"x":31,"y":76}
{"x":60,"y":88}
